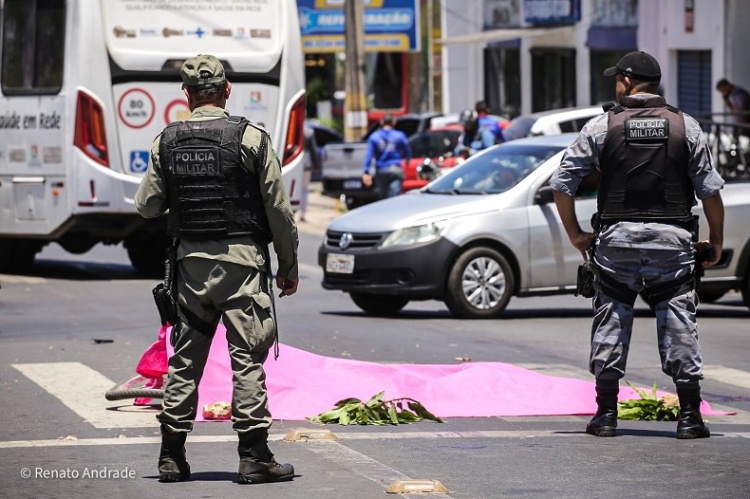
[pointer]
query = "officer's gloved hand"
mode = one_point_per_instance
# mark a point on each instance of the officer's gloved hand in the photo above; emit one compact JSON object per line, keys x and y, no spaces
{"x":287,"y":286}
{"x":707,"y":253}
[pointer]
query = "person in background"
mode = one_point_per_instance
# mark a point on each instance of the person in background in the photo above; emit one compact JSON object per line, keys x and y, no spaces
{"x":386,"y":149}
{"x":737,"y":100}
{"x":219,"y":178}
{"x":487,"y":122}
{"x":311,"y":163}
{"x":652,"y":161}
{"x":474,"y":138}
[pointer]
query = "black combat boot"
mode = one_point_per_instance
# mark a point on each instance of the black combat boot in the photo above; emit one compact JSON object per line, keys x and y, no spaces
{"x":690,"y":424}
{"x":257,"y":464}
{"x":604,"y":422}
{"x":173,"y":467}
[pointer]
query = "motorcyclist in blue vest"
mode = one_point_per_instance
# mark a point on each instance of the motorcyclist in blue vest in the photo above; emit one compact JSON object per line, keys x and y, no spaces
{"x":488,"y":122}
{"x":474,"y":137}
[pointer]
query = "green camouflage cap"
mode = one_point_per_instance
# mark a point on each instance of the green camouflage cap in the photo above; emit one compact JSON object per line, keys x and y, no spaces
{"x":193,"y":67}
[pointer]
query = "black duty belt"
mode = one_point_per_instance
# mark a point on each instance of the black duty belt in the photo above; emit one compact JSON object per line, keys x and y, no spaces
{"x":685,"y":223}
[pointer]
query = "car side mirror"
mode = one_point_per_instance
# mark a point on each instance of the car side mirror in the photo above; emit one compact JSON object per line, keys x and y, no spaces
{"x":545,"y":195}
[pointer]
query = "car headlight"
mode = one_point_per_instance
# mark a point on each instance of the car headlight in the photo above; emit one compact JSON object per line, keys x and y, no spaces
{"x":415,"y":235}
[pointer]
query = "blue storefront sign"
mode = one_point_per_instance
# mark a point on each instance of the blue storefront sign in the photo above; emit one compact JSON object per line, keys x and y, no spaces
{"x":389,"y":25}
{"x":552,"y":11}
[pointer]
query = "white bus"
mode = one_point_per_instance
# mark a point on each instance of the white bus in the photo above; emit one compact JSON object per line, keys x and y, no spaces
{"x":86,"y":85}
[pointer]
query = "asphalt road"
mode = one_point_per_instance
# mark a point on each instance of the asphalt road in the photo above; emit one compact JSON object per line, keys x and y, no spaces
{"x":76,"y":324}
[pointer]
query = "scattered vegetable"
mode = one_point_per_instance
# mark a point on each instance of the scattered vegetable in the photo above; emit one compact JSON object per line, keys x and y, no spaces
{"x":375,"y":411}
{"x":649,"y":407}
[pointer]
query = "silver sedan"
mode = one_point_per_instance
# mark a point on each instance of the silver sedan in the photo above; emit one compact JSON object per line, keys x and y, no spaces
{"x":484,"y":232}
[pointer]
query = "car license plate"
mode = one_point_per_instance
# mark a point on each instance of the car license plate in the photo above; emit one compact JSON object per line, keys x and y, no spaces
{"x":339,"y":264}
{"x":352,"y":184}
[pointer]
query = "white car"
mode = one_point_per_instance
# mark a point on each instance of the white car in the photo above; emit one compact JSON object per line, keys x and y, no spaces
{"x":452,"y":119}
{"x":553,"y":122}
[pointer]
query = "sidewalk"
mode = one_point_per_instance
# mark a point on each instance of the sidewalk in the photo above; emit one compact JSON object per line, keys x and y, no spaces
{"x":321,"y":210}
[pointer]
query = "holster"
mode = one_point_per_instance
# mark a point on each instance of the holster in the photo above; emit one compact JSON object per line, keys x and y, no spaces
{"x":165,"y":293}
{"x":585,"y":279}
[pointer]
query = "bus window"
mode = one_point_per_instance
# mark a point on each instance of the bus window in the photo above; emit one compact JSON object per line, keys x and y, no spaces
{"x":33,"y":46}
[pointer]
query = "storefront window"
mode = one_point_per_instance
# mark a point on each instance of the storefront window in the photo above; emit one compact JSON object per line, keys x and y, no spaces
{"x":553,"y":77}
{"x":502,"y":83}
{"x":385,"y":80}
{"x":603,"y":88}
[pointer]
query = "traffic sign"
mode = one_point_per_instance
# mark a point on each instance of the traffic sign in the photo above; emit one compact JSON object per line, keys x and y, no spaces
{"x":136,"y":108}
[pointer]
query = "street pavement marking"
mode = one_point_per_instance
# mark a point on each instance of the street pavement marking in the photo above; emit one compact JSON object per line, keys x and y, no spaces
{"x":21,"y":279}
{"x":362,"y":465}
{"x":727,"y":375}
{"x":559,"y":370}
{"x":416,"y":435}
{"x":82,"y":390}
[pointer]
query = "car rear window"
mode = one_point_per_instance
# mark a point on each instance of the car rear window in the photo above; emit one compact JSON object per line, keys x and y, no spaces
{"x":433,"y":144}
{"x":519,"y":127}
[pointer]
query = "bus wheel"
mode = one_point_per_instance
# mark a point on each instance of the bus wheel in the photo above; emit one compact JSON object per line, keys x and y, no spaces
{"x":7,"y":253}
{"x":26,"y":251}
{"x":147,"y":252}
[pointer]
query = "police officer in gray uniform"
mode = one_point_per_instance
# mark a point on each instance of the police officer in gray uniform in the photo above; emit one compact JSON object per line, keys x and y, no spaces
{"x":221,"y":181}
{"x":652,"y":161}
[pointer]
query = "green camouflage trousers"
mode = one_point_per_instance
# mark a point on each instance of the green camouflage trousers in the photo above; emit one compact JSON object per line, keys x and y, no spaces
{"x":676,"y":329}
{"x":210,"y":290}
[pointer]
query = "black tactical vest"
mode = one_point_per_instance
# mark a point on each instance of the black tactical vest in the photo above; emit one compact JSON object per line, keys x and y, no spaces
{"x":211,"y":194}
{"x":644,"y":164}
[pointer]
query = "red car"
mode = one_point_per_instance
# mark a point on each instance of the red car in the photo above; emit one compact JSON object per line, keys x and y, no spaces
{"x":437,"y":145}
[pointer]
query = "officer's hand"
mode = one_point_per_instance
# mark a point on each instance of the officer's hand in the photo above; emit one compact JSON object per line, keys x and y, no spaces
{"x":287,"y":286}
{"x":367,"y":180}
{"x":708,"y":253}
{"x":583,"y":243}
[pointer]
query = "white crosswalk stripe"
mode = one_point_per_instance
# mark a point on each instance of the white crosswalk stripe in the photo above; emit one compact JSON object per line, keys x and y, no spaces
{"x":82,"y":390}
{"x":727,"y":375}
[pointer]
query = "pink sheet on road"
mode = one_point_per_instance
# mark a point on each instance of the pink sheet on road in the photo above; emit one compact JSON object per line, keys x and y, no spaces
{"x":302,"y":384}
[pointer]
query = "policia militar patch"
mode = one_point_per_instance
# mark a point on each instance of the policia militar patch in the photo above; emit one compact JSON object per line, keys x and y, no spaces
{"x":196,"y":161}
{"x":646,"y":129}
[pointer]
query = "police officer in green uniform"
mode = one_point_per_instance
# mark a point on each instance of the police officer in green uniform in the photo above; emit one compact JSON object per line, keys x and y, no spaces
{"x":221,"y":181}
{"x":652,"y":161}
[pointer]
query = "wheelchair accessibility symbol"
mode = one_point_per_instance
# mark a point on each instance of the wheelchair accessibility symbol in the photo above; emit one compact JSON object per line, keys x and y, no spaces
{"x":138,"y":161}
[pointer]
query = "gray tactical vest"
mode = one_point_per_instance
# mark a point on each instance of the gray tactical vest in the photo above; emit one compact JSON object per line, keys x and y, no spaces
{"x":644,"y":164}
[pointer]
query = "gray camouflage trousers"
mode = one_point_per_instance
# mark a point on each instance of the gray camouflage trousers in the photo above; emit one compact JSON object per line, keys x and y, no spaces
{"x":676,"y":329}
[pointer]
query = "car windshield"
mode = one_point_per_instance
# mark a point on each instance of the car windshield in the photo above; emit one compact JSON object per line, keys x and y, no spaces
{"x":433,"y":144}
{"x":495,"y":171}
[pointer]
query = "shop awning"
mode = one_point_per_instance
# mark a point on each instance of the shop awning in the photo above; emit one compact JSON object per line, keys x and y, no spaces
{"x":497,"y":35}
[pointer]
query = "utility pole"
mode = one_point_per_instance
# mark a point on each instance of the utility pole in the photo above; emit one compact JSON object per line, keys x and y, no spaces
{"x":355,"y":105}
{"x":430,"y":57}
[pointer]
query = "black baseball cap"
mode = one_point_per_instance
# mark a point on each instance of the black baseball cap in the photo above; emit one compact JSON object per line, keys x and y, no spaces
{"x":638,"y":65}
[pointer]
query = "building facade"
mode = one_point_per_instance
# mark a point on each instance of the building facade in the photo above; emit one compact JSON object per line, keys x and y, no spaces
{"x":524,"y":56}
